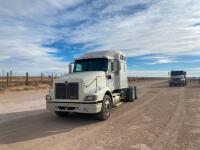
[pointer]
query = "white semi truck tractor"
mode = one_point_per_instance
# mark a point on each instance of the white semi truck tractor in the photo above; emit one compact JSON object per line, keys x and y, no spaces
{"x":97,"y":82}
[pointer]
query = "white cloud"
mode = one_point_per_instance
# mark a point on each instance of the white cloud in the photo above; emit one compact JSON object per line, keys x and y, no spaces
{"x":165,"y":27}
{"x":159,"y":59}
{"x":25,"y":26}
{"x":160,"y":27}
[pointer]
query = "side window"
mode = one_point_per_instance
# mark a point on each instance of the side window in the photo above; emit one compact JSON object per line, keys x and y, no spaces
{"x":78,"y":67}
{"x":122,"y":57}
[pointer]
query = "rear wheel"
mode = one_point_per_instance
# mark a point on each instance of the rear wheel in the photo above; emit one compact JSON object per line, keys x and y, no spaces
{"x":106,"y":108}
{"x":61,"y":113}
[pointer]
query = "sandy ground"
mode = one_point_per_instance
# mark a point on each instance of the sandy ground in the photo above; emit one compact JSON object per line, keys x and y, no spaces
{"x":18,"y":104}
{"x":163,"y":118}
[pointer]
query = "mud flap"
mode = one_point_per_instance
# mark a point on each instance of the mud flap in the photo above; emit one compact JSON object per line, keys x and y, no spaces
{"x":135,"y":89}
{"x":130,"y":94}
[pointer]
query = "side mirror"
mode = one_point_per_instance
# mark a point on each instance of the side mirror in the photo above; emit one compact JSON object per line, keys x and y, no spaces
{"x":71,"y":67}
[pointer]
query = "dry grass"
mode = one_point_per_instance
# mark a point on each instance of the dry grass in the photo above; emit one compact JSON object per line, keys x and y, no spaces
{"x":19,"y":83}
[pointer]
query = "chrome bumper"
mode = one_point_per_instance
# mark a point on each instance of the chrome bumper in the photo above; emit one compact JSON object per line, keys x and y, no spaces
{"x":74,"y":107}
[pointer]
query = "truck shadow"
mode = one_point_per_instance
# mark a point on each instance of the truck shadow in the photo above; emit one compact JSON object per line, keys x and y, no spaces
{"x":41,"y":125}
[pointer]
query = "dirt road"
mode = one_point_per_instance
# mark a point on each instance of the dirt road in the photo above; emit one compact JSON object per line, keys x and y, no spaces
{"x":162,"y":118}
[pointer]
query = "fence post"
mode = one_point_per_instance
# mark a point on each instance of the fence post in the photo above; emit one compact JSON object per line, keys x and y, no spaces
{"x":3,"y":73}
{"x":26,"y":78}
{"x":7,"y":78}
{"x":41,"y":77}
{"x":52,"y":78}
{"x":10,"y":76}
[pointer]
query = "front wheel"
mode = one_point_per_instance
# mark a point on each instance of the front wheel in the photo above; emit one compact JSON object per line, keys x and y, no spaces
{"x":106,"y":108}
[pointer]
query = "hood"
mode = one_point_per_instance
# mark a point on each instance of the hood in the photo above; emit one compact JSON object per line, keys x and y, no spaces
{"x":82,"y":76}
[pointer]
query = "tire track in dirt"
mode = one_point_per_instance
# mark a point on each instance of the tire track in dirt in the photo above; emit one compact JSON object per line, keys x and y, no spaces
{"x":190,"y":136}
{"x":167,"y":140}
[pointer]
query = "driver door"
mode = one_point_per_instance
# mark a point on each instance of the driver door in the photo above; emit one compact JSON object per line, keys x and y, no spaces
{"x":111,"y":79}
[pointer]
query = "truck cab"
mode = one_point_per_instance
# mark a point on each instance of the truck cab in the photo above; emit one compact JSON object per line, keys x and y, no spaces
{"x":178,"y":78}
{"x":97,"y":81}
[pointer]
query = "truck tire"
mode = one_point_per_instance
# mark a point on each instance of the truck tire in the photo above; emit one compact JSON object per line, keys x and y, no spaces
{"x":61,"y":113}
{"x":106,"y":108}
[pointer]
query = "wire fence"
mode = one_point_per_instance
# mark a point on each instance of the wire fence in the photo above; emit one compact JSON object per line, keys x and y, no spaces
{"x":10,"y":80}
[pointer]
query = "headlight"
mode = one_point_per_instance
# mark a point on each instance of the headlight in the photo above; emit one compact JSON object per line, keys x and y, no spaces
{"x":90,"y":98}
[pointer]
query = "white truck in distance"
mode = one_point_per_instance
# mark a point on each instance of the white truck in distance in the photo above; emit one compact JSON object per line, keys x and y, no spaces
{"x":97,"y":82}
{"x":177,"y":77}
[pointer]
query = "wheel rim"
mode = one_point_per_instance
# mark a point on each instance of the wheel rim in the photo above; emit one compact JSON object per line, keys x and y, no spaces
{"x":107,"y":107}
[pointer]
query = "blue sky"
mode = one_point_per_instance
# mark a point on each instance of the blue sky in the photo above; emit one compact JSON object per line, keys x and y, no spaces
{"x":44,"y":36}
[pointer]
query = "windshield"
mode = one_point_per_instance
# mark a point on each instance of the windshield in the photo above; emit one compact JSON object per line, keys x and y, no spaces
{"x":175,"y":73}
{"x":97,"y":64}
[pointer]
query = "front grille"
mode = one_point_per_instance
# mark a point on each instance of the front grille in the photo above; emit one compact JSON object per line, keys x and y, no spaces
{"x":69,"y":91}
{"x":60,"y":91}
{"x":176,"y":79}
{"x":72,"y":91}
